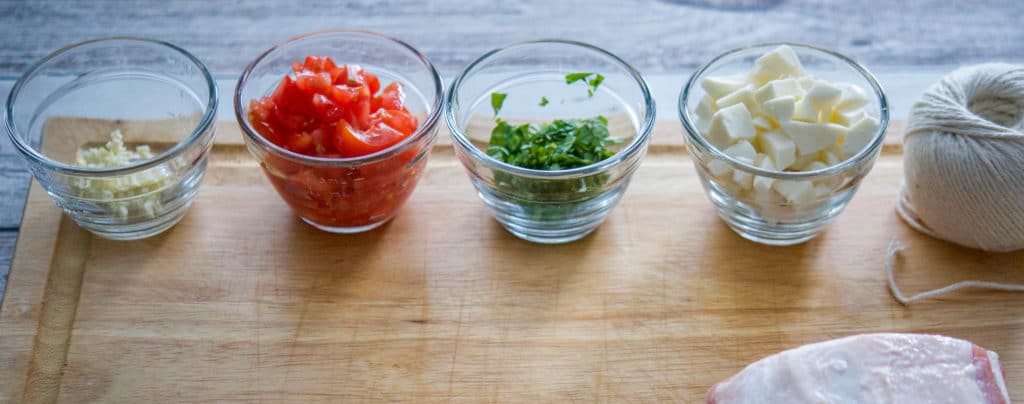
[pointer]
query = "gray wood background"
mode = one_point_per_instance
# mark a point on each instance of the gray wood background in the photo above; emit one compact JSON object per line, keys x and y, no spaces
{"x":656,"y":36}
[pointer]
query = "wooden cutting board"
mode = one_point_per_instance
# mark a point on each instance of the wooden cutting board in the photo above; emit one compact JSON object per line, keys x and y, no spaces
{"x":243,"y":302}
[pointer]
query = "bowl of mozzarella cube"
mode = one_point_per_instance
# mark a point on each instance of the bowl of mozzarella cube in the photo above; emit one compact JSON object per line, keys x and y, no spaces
{"x":781,"y":136}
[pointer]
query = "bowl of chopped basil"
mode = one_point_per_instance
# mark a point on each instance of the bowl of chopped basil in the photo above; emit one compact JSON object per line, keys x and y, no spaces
{"x":550,"y":133}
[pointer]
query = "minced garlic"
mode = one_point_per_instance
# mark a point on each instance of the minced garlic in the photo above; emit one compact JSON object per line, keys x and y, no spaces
{"x":130,"y":193}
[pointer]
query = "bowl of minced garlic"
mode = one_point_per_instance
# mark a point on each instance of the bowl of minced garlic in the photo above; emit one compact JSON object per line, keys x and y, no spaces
{"x":126,"y":194}
{"x":117,"y":131}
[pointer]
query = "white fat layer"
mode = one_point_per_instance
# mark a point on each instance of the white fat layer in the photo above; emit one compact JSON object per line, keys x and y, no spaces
{"x":870,"y":368}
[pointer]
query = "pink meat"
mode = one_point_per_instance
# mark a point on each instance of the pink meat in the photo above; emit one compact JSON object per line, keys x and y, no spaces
{"x":871,"y":368}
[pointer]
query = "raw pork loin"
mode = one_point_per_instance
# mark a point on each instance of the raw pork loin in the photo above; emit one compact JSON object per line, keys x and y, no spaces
{"x":871,"y":368}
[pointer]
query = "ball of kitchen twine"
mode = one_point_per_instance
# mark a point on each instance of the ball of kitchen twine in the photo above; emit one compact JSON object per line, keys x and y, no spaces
{"x":964,"y":164}
{"x":964,"y":159}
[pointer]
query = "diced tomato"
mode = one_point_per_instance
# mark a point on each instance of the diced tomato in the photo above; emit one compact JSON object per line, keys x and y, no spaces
{"x":392,"y":97}
{"x":399,"y":120}
{"x":313,"y":82}
{"x":371,"y":81}
{"x":352,"y":142}
{"x":322,"y":109}
{"x":319,"y":64}
{"x":325,"y":108}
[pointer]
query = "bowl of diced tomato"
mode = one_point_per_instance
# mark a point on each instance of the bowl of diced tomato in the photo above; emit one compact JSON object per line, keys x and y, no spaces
{"x":342,"y":123}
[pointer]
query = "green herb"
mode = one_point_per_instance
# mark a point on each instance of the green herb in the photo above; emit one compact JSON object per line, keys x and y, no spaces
{"x":574,"y":77}
{"x":543,"y":101}
{"x":559,"y":145}
{"x":592,"y":83}
{"x":497,"y":100}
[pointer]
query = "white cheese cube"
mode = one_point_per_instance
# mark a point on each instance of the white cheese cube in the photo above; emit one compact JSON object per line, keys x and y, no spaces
{"x":744,"y":95}
{"x":719,"y":86}
{"x":823,"y":96}
{"x":780,"y":109}
{"x":780,"y":148}
{"x":804,"y":160}
{"x":795,"y":191}
{"x":859,"y":135}
{"x":779,"y":63}
{"x":742,"y":150}
{"x":704,"y":112}
{"x":804,"y":112}
{"x":729,"y":125}
{"x":847,"y":117}
{"x":719,"y":168}
{"x":812,"y":137}
{"x":764,"y":184}
{"x":806,"y":82}
{"x":762,"y":123}
{"x":814,"y":166}
{"x":853,"y":97}
{"x":779,"y":88}
{"x":821,"y":191}
{"x":742,"y":178}
{"x":830,"y":158}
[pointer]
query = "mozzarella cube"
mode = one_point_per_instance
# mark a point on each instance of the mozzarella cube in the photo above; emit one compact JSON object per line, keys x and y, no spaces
{"x":720,"y":86}
{"x":853,"y":97}
{"x":795,"y":191}
{"x":742,"y":178}
{"x":803,"y":111}
{"x":719,"y":168}
{"x":764,"y":184}
{"x":821,"y":191}
{"x":859,"y":135}
{"x":812,"y":137}
{"x":762,"y":123}
{"x":780,"y":109}
{"x":778,"y":88}
{"x":779,"y":148}
{"x":744,"y":95}
{"x":704,"y":112}
{"x":830,"y":158}
{"x":742,"y":150}
{"x":729,"y":125}
{"x":847,"y":117}
{"x":806,"y":82}
{"x":779,"y":63}
{"x":815,"y":165}
{"x":823,"y":96}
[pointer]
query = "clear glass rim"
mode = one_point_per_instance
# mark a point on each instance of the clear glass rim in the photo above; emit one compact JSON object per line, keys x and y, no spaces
{"x":635,"y":146}
{"x":695,"y":138}
{"x":424,"y":128}
{"x":36,"y":157}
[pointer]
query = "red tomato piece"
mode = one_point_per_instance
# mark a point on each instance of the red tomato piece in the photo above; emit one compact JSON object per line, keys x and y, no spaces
{"x":399,"y":120}
{"x":392,"y":97}
{"x":325,"y":108}
{"x":313,"y":82}
{"x":319,"y":64}
{"x":353,"y":143}
{"x":371,"y":81}
{"x":289,"y":97}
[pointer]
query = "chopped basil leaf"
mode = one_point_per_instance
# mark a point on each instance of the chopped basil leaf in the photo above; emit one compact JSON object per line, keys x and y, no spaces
{"x":497,"y":100}
{"x":543,"y":101}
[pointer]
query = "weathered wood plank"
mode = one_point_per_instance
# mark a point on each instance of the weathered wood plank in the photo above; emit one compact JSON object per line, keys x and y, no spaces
{"x":653,"y":35}
{"x":7,"y":240}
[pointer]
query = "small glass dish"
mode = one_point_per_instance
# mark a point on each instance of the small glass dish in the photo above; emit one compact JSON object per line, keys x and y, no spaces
{"x":346,"y":195}
{"x":545,"y":206}
{"x":151,"y":92}
{"x":767,"y":218}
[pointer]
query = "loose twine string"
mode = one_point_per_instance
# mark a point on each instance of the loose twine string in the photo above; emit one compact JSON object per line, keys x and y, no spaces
{"x":964,"y":167}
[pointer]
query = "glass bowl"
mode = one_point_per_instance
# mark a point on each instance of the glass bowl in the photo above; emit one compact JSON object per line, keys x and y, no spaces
{"x":540,"y":205}
{"x":154,"y":94}
{"x":766,"y":218}
{"x":346,"y":195}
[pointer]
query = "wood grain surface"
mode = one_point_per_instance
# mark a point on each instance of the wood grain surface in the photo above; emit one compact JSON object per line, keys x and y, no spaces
{"x":243,"y":302}
{"x":656,"y":36}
